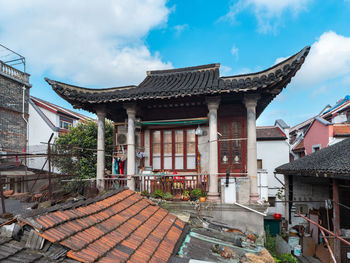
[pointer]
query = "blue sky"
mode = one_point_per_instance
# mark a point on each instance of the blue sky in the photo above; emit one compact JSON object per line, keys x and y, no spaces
{"x":110,"y":43}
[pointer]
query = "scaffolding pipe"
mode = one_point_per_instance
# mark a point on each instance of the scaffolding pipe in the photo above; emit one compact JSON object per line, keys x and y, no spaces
{"x":324,"y":229}
{"x":329,"y":248}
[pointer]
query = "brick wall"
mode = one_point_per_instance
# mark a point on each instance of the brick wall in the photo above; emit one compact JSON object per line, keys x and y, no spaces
{"x":13,"y":128}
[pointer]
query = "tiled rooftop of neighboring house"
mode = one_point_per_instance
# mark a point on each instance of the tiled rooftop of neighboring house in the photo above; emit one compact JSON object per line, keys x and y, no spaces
{"x":330,"y":161}
{"x":117,"y":227}
{"x":341,"y":130}
{"x":299,"y":147}
{"x":59,"y":109}
{"x":269,"y":133}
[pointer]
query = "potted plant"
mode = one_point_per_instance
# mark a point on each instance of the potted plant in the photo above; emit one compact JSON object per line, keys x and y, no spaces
{"x":145,"y":193}
{"x":157,"y":193}
{"x":186,"y":195}
{"x":195,"y":194}
{"x":168,"y":196}
{"x":203,"y":196}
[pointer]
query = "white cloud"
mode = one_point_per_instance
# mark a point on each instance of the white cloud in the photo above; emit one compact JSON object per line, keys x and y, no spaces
{"x":269,"y":13}
{"x":225,"y":70}
{"x":89,"y":42}
{"x":180,"y":28}
{"x":329,"y":59}
{"x":234,"y":51}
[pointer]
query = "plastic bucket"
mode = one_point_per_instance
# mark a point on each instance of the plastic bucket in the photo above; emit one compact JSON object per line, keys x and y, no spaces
{"x":297,"y":250}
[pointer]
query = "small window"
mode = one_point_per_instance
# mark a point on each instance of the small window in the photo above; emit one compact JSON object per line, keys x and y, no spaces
{"x":65,"y":123}
{"x":272,"y":201}
{"x":316,"y":148}
{"x":260,"y":164}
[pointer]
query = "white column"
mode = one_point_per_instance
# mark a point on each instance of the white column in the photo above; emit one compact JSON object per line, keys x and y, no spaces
{"x":131,"y":111}
{"x":213,"y":105}
{"x":250,"y":103}
{"x":100,"y":149}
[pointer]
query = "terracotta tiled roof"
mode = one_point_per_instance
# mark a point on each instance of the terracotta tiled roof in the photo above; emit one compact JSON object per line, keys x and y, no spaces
{"x":122,"y":227}
{"x":269,"y":133}
{"x":341,"y":130}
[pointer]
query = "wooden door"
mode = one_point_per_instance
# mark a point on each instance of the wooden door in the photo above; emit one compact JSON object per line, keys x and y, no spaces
{"x":232,"y":145}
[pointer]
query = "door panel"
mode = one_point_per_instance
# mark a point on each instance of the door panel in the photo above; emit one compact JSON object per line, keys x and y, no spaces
{"x":232,"y":145}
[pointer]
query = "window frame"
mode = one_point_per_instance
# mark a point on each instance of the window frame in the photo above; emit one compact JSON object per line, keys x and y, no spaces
{"x":63,"y":119}
{"x":173,"y":129}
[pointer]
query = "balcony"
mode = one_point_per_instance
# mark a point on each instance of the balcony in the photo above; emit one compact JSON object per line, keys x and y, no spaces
{"x":175,"y":184}
{"x":13,"y":73}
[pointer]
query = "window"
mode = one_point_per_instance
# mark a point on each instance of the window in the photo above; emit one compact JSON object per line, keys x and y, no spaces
{"x":272,"y":201}
{"x":316,"y":148}
{"x":65,"y":123}
{"x":173,"y":149}
{"x":259,"y":164}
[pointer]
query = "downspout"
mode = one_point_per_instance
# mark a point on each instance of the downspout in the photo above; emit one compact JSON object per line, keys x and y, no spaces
{"x":27,"y":131}
{"x":285,"y":192}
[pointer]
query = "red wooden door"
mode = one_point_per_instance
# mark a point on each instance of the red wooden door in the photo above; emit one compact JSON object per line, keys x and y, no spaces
{"x":232,"y":145}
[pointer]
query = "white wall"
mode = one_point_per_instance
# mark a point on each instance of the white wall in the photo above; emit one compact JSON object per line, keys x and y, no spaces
{"x":273,"y":154}
{"x":311,"y":190}
{"x":340,"y":118}
{"x":39,"y":131}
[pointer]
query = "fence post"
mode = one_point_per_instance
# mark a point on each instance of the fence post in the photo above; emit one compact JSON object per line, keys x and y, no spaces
{"x":49,"y":162}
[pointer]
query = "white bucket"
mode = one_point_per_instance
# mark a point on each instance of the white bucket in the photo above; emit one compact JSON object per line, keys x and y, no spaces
{"x":297,"y":250}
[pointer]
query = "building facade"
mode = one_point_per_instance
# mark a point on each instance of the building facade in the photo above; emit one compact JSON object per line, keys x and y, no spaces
{"x":272,"y":151}
{"x":14,"y":97}
{"x":168,"y":102}
{"x":46,"y":118}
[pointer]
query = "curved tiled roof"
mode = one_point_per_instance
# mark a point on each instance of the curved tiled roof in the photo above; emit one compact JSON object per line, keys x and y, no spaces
{"x":331,"y":161}
{"x":191,"y":81}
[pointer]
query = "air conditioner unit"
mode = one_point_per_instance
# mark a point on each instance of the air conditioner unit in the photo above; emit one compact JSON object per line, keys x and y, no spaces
{"x":121,"y":138}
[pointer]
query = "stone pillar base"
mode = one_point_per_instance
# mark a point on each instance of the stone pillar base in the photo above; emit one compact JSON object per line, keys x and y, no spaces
{"x":214,"y":197}
{"x":254,"y":198}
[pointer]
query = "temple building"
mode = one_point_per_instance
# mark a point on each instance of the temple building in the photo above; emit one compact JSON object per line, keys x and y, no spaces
{"x":187,"y":121}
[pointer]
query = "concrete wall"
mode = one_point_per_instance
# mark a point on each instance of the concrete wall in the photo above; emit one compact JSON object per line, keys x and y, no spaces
{"x":317,"y":134}
{"x":309,"y":191}
{"x":230,"y":214}
{"x":13,"y":128}
{"x":273,"y":153}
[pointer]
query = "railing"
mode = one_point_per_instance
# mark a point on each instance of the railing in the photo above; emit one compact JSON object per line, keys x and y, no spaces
{"x":14,"y":73}
{"x":115,"y":181}
{"x":175,"y":184}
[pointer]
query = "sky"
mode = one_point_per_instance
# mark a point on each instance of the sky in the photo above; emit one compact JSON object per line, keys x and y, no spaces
{"x":110,"y":43}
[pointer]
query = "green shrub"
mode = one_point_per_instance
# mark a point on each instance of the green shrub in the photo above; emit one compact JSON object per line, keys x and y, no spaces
{"x":158,"y":193}
{"x":288,"y":258}
{"x":168,"y":196}
{"x":145,"y":193}
{"x":196,"y":193}
{"x":186,"y":193}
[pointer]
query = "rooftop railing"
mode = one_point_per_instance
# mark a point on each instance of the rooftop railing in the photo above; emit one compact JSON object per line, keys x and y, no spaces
{"x":14,"y":73}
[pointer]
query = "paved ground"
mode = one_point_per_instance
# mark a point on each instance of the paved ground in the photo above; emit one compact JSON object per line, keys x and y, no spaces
{"x":15,"y":206}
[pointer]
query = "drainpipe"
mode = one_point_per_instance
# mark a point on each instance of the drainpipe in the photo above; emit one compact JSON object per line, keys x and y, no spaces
{"x":285,"y":192}
{"x":27,"y":130}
